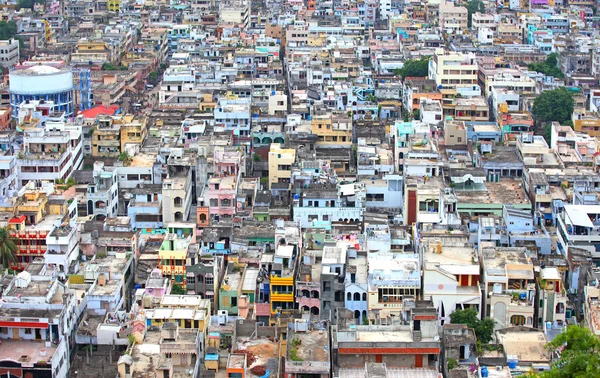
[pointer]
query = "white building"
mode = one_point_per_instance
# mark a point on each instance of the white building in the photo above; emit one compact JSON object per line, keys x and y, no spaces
{"x":50,"y":152}
{"x":450,"y":274}
{"x":9,"y":52}
{"x":39,"y":318}
{"x":62,"y":251}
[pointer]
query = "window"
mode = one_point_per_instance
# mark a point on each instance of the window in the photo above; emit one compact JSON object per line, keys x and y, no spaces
{"x":28,"y":331}
{"x":459,"y":139}
{"x":325,"y":217}
{"x":233,"y":301}
{"x":3,"y":330}
{"x":326,"y":286}
{"x":191,"y":280}
{"x":178,"y":278}
{"x":209,"y":281}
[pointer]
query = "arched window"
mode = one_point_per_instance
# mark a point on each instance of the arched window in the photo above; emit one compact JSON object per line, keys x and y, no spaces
{"x":364,"y":297}
{"x":356,"y":296}
{"x":349,"y":296}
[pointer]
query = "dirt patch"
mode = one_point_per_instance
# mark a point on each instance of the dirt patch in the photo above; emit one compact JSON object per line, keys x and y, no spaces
{"x":262,"y":349}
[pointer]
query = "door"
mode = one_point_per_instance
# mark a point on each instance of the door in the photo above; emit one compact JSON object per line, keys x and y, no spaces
{"x":462,"y":352}
{"x":418,"y":360}
{"x":379,"y":358}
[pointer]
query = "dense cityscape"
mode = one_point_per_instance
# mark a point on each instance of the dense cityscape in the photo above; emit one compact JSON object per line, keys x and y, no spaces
{"x":299,"y":189}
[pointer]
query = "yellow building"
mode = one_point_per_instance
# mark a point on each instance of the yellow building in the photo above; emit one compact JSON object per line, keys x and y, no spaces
{"x":334,"y":131}
{"x":133,"y":130}
{"x":282,"y":280}
{"x":587,"y":122}
{"x":114,"y":5}
{"x":173,"y":251}
{"x":106,"y":138}
{"x":280,"y":164}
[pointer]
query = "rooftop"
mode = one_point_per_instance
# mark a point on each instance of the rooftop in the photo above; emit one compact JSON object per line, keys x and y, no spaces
{"x":505,"y":191}
{"x":26,"y":352}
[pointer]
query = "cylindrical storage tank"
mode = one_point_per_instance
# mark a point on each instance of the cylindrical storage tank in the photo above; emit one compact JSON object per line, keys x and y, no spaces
{"x":42,"y":83}
{"x":484,"y":372}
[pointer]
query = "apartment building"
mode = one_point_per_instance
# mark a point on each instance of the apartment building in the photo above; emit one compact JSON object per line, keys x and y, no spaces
{"x":510,"y":290}
{"x":452,"y":69}
{"x":280,"y":164}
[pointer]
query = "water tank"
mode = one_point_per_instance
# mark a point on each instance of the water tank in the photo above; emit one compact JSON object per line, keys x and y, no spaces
{"x":484,"y":372}
{"x":512,"y":364}
{"x":523,"y":296}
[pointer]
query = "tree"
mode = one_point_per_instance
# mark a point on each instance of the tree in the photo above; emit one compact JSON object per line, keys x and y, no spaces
{"x":8,"y":248}
{"x":474,"y":6}
{"x":108,"y":67}
{"x":25,"y":4}
{"x":417,"y":114}
{"x":549,"y":67}
{"x":153,"y":77}
{"x":553,"y":106}
{"x":177,"y":289}
{"x":579,"y":351}
{"x":8,"y":29}
{"x":484,"y":328}
{"x":414,"y":67}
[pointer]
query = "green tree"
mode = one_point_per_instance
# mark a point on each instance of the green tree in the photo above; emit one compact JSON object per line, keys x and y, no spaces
{"x":484,"y":328}
{"x":25,"y":4}
{"x":579,"y":354}
{"x":177,"y":289}
{"x":153,"y":77}
{"x":414,"y":67}
{"x":417,"y":114}
{"x":549,"y":67}
{"x":474,"y":6}
{"x":8,"y":248}
{"x":8,"y":29}
{"x":108,"y":67}
{"x":553,"y":106}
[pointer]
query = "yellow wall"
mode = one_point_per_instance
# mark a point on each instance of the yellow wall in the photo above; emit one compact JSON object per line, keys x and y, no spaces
{"x":280,"y":156}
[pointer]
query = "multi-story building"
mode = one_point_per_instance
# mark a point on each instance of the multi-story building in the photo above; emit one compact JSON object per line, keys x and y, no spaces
{"x":37,"y":338}
{"x":509,"y":286}
{"x":173,"y":251}
{"x":52,"y":150}
{"x":106,"y":138}
{"x":587,"y":122}
{"x":398,"y":346}
{"x":452,"y":69}
{"x":177,"y":190}
{"x":357,"y":286}
{"x":280,"y":164}
{"x":332,"y":130}
{"x":577,"y":227}
{"x":221,"y":197}
{"x":394,"y":281}
{"x":329,"y":202}
{"x":281,"y":278}
{"x":453,"y":19}
{"x":450,"y":274}
{"x":9,"y":52}
{"x":551,"y":298}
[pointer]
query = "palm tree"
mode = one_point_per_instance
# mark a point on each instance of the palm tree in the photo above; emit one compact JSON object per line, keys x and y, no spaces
{"x":8,"y":248}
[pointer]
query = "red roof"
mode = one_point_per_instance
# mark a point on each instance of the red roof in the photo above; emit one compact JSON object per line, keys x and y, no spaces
{"x":100,"y":109}
{"x":18,"y":219}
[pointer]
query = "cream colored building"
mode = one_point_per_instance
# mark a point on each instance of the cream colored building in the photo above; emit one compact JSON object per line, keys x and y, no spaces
{"x":280,"y":164}
{"x":453,"y":69}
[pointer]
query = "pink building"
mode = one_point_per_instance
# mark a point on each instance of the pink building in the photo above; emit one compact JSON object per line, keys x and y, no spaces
{"x":156,"y":284}
{"x":222,"y":197}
